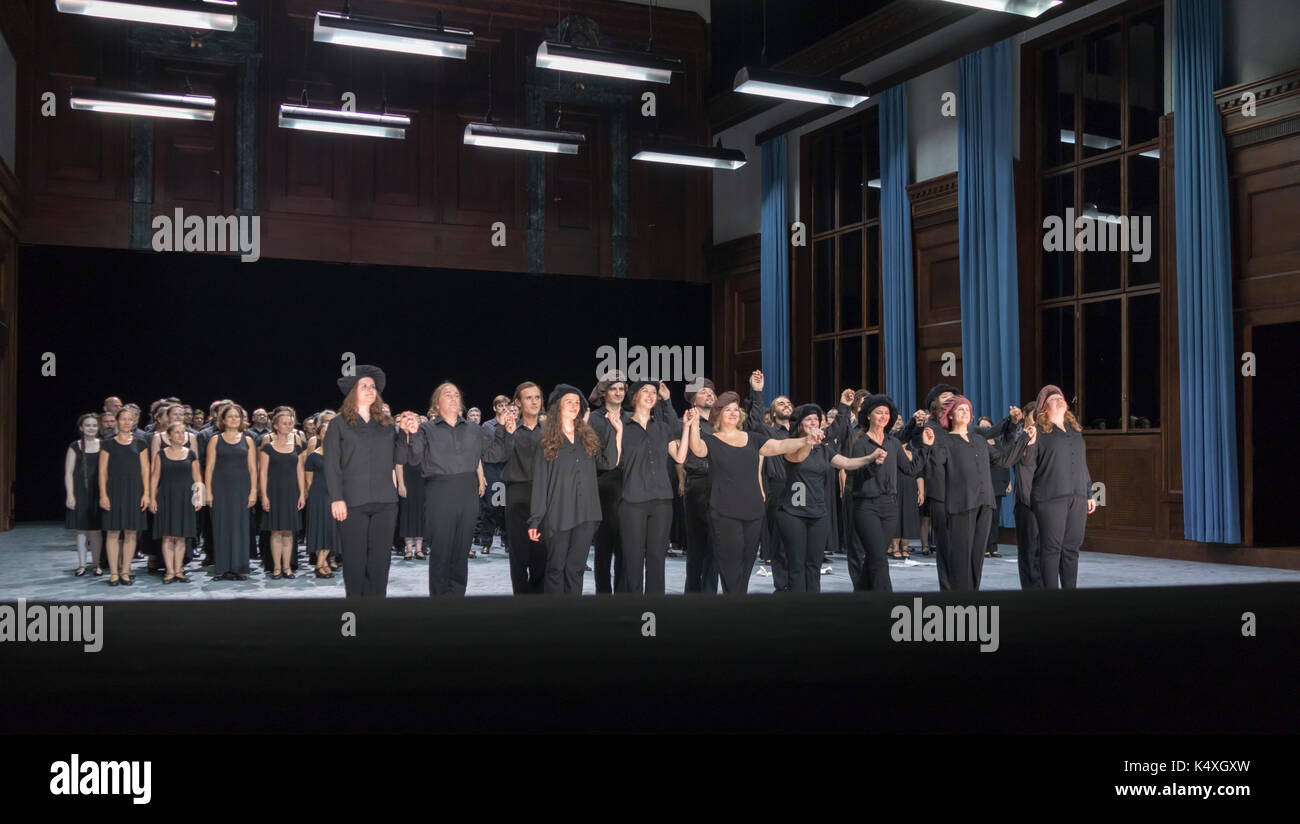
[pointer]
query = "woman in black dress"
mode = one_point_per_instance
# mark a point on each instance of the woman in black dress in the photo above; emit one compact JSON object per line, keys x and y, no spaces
{"x":876,"y":487}
{"x":123,"y":493}
{"x":651,"y":435}
{"x":410,"y":511}
{"x":565,"y":506}
{"x":322,"y":530}
{"x":231,"y":482}
{"x":1061,"y":497}
{"x":362,"y":447}
{"x":736,"y":501}
{"x":81,"y":485}
{"x":911,"y":496}
{"x":803,"y":517}
{"x":175,"y":474}
{"x":448,"y":450}
{"x":283,"y":491}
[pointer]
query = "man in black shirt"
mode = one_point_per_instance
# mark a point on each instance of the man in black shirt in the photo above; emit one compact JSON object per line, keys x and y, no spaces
{"x":701,"y":568}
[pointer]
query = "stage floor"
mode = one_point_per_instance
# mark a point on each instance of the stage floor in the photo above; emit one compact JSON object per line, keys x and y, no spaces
{"x":37,"y":561}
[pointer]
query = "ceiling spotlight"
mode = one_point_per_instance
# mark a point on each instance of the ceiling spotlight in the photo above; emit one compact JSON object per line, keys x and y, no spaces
{"x":528,"y":140}
{"x":219,"y":15}
{"x":143,"y":104}
{"x":340,"y":122}
{"x":624,"y":64}
{"x":390,"y":35}
{"x":801,"y":87}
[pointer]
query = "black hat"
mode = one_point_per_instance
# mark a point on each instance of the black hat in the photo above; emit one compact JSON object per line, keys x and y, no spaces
{"x":933,"y":394}
{"x":703,"y":382}
{"x":563,"y":389}
{"x":806,"y":409}
{"x":363,"y":371}
{"x":872,"y":402}
{"x":629,"y":399}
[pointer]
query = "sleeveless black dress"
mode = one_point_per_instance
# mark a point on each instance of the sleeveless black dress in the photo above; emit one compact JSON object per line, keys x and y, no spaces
{"x":230,"y":512}
{"x":175,"y":517}
{"x":410,"y":510}
{"x":281,"y":489}
{"x":85,"y":490}
{"x":125,"y":486}
{"x":321,"y":526}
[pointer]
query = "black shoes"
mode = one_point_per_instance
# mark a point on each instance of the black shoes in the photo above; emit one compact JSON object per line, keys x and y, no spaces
{"x":288,"y":573}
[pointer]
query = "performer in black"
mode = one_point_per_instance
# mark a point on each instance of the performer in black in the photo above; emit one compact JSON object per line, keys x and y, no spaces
{"x":608,"y":396}
{"x":651,"y":435}
{"x":175,"y":474}
{"x":81,"y":487}
{"x":361,"y":449}
{"x":701,"y":565}
{"x":1021,"y":455}
{"x":1062,"y":489}
{"x":528,"y":557}
{"x":565,"y":507}
{"x":448,"y":450}
{"x":123,"y":493}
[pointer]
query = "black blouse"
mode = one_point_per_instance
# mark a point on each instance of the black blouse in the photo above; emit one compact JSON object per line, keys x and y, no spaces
{"x":965,"y":465}
{"x":733,"y":477}
{"x":1060,"y":465}
{"x":645,"y":455}
{"x":519,"y":465}
{"x":874,"y":480}
{"x":359,"y":461}
{"x":813,"y":476}
{"x":440,"y":448}
{"x":564,"y":490}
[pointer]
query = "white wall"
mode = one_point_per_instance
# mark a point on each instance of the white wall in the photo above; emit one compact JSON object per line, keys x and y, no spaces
{"x":931,"y":137}
{"x":1261,"y":38}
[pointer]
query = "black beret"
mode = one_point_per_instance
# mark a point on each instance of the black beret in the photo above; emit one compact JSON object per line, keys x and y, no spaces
{"x":364,"y":370}
{"x":933,"y":394}
{"x":565,"y":389}
{"x":872,"y":402}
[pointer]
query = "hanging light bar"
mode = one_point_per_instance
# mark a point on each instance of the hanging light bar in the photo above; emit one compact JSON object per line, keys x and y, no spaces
{"x":390,"y":35}
{"x":339,"y":122}
{"x":219,"y":15}
{"x":143,"y":104}
{"x":528,"y":140}
{"x":1025,"y":8}
{"x":801,"y":87}
{"x":708,"y":157}
{"x":620,"y":63}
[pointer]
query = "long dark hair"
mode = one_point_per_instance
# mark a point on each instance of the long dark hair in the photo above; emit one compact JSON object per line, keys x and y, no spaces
{"x":553,"y":431}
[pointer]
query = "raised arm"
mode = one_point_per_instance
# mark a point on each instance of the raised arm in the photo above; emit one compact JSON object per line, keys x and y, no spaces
{"x":753,"y":404}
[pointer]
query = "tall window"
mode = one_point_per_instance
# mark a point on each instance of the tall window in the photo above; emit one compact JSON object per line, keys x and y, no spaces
{"x":845,"y":223}
{"x":1101,"y":99}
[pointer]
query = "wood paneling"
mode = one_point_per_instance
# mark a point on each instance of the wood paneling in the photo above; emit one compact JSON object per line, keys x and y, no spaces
{"x":937,"y":271}
{"x":737,"y":315}
{"x":428,"y":200}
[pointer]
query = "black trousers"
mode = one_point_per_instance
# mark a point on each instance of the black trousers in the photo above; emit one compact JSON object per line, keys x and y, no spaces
{"x":939,"y":534}
{"x":643,"y":529}
{"x":701,"y":565}
{"x":875,"y":522}
{"x":804,"y":540}
{"x":994,"y":524}
{"x":856,"y":549}
{"x":735,"y":546}
{"x":566,"y":558}
{"x":450,"y":510}
{"x":1027,"y":548}
{"x":608,"y":544}
{"x":205,"y":526}
{"x":1060,"y":533}
{"x":365,"y":537}
{"x":772,"y":549}
{"x":527,"y":557}
{"x":967,"y":537}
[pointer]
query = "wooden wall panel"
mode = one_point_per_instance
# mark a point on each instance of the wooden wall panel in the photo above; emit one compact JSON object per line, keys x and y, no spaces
{"x":737,"y":313}
{"x":937,"y":273}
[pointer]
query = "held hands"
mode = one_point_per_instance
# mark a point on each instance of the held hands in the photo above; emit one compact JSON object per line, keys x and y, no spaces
{"x":815,"y":437}
{"x":408,"y":422}
{"x":880,"y":456}
{"x":690,"y":418}
{"x":1016,"y":414}
{"x":664,"y":394}
{"x":1033,"y":434}
{"x":846,"y":397}
{"x":756,"y":380}
{"x":339,"y":509}
{"x":927,"y":436}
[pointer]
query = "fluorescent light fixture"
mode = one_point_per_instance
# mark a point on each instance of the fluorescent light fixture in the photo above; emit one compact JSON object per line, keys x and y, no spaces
{"x":390,"y":35}
{"x":143,"y":104}
{"x":528,"y":140}
{"x":874,"y":183}
{"x":1092,"y":141}
{"x":340,"y":122}
{"x":620,"y":63}
{"x":704,"y":156}
{"x":1026,"y":8}
{"x":802,"y":87}
{"x":1151,"y":153}
{"x":219,"y":15}
{"x":1090,"y":211}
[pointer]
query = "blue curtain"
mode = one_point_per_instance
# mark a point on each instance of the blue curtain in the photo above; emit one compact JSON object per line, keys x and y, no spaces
{"x":774,"y":268}
{"x":899,"y":319}
{"x":990,"y":323}
{"x":1207,"y":367}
